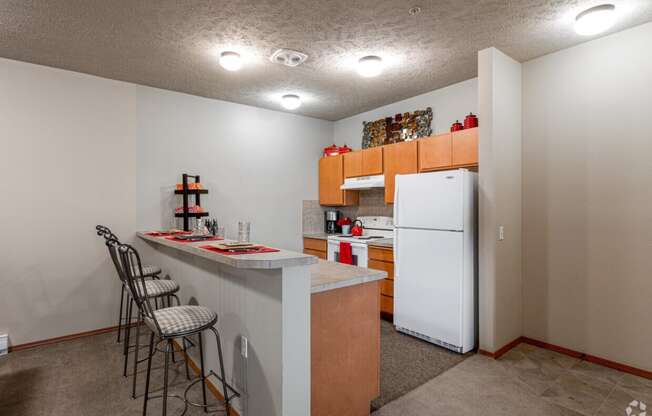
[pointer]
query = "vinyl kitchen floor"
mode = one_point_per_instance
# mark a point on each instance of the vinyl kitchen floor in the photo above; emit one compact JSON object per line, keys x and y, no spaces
{"x":526,"y":381}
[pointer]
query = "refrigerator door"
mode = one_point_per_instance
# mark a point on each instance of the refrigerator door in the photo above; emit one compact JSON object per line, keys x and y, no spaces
{"x":428,"y":285}
{"x":430,"y":200}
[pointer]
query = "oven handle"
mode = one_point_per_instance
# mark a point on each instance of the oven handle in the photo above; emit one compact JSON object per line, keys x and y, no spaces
{"x":356,"y":245}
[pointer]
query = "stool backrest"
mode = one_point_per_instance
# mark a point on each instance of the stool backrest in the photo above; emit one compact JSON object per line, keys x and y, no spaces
{"x":113,"y":244}
{"x":135,"y":278}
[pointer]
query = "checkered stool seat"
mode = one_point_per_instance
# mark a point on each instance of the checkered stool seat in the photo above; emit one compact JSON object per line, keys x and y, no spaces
{"x":149,"y":270}
{"x":182,"y":319}
{"x":157,"y":288}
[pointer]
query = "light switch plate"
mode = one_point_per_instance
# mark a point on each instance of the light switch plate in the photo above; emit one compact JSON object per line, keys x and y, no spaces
{"x":501,"y":233}
{"x":4,"y":344}
{"x":244,"y":345}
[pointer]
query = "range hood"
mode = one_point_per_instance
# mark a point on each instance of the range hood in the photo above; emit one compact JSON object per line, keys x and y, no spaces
{"x":364,"y":182}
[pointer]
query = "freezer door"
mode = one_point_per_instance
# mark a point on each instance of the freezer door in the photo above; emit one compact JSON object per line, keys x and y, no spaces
{"x":428,"y":284}
{"x":430,"y":200}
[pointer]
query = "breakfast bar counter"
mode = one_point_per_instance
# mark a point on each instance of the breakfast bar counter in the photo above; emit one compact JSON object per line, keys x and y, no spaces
{"x":301,"y":335}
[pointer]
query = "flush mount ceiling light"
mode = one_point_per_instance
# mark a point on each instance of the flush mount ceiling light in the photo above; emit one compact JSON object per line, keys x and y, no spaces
{"x":370,"y":66}
{"x":291,"y":101}
{"x":230,"y":61}
{"x":595,"y":20}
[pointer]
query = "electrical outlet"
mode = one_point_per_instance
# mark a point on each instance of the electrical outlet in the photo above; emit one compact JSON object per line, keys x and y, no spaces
{"x":4,"y":344}
{"x":244,"y":345}
{"x":501,"y":233}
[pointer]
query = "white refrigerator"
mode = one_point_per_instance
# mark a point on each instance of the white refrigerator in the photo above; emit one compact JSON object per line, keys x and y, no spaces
{"x":435,"y":219}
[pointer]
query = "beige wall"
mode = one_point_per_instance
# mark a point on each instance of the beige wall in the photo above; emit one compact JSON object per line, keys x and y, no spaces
{"x":499,"y":189}
{"x":587,"y":198}
{"x":77,"y":150}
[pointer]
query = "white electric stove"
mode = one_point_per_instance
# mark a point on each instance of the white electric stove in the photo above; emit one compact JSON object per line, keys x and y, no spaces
{"x":374,"y":229}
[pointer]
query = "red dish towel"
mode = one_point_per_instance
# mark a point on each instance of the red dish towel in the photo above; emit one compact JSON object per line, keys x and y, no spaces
{"x":346,"y":254}
{"x":176,"y":240}
{"x":252,"y":250}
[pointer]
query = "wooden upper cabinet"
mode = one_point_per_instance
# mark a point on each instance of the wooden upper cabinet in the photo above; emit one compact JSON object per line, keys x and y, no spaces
{"x":372,"y":161}
{"x":435,"y":152}
{"x":465,"y":147}
{"x":399,"y":158}
{"x":331,"y":177}
{"x":352,"y":164}
{"x":363,"y":162}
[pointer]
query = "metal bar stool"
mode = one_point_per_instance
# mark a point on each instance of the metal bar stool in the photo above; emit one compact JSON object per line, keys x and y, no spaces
{"x":156,"y":289}
{"x":150,"y":271}
{"x":171,"y":323}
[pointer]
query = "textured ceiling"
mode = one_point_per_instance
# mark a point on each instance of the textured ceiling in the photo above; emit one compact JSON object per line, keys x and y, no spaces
{"x":173,"y":44}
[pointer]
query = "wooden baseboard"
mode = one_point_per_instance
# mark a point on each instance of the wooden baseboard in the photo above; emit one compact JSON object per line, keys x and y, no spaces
{"x":211,"y":387}
{"x":572,"y":353}
{"x":55,"y":340}
{"x":501,"y":351}
{"x":590,"y":358}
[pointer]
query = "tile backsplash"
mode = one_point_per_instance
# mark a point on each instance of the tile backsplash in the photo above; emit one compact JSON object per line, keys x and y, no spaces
{"x":372,"y":202}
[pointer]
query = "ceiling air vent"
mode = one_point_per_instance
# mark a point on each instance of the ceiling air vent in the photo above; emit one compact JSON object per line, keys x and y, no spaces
{"x":288,"y":57}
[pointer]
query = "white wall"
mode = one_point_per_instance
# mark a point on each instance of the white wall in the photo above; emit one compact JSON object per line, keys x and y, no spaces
{"x":587,"y":199}
{"x":258,"y":165}
{"x":448,"y":104}
{"x":500,"y":283}
{"x":78,"y":150}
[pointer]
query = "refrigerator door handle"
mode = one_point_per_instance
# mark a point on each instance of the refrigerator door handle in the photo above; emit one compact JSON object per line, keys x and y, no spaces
{"x":396,"y":204}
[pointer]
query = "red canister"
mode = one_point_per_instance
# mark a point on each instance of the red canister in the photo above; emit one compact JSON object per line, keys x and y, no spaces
{"x":457,"y":126}
{"x":470,"y":121}
{"x":331,"y":150}
{"x":344,"y":149}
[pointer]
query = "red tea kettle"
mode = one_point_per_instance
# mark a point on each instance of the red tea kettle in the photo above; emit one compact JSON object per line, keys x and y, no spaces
{"x":356,"y":230}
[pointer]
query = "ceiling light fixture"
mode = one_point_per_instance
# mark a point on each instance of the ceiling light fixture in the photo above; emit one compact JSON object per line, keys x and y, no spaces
{"x":414,"y":10}
{"x":370,"y":66}
{"x":291,"y":101}
{"x":595,"y":20}
{"x":230,"y":61}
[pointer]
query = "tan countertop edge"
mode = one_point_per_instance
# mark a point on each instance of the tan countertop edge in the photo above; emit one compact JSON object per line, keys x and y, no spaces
{"x":277,"y":260}
{"x":328,"y":275}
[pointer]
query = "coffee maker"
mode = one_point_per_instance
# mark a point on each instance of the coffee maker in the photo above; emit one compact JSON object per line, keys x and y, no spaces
{"x":330,"y":221}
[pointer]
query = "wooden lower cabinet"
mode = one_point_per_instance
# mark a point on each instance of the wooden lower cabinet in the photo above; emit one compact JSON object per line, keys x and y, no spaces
{"x":345,"y":350}
{"x":383,"y":259}
{"x":315,"y":247}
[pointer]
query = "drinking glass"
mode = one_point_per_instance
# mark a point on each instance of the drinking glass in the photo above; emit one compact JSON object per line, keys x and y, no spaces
{"x":220,"y":231}
{"x":244,"y":231}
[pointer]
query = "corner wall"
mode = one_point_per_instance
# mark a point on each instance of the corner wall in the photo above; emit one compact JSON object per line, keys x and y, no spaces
{"x":587,"y":198}
{"x":499,"y":194}
{"x":78,"y":150}
{"x":448,"y":104}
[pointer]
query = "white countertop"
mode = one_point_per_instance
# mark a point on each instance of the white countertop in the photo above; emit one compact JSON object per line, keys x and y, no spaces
{"x":276,"y":260}
{"x":328,"y":275}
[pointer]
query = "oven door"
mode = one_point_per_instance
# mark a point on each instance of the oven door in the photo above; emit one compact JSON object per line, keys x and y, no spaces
{"x":359,"y":251}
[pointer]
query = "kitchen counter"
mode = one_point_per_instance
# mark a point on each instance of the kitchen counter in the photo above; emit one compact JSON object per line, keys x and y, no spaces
{"x":290,"y":306}
{"x":318,"y":236}
{"x":276,"y":260}
{"x":328,"y":275}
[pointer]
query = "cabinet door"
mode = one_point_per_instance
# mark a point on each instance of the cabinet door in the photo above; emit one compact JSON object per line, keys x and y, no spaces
{"x":435,"y":152}
{"x":465,"y":147}
{"x":372,"y":161}
{"x":399,"y":158}
{"x":352,"y":164}
{"x":331,"y":177}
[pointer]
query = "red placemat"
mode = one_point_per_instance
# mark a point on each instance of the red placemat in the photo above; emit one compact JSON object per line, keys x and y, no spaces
{"x":252,"y":250}
{"x":176,"y":240}
{"x":167,"y":233}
